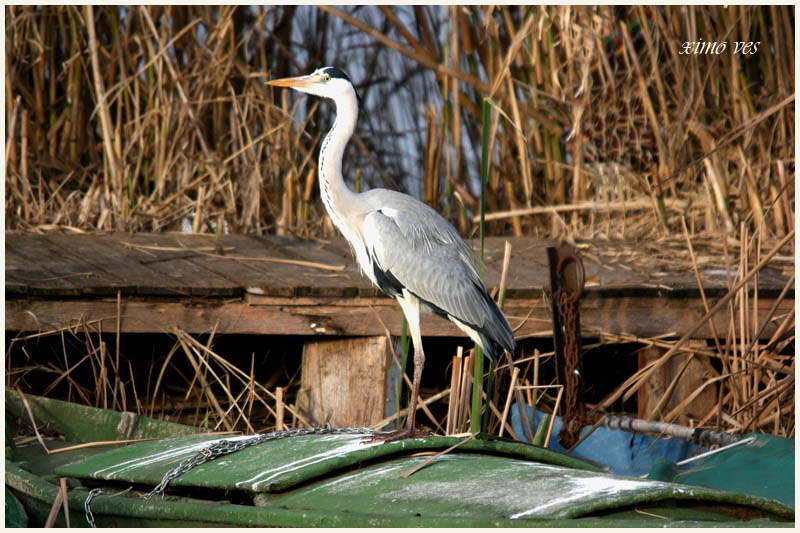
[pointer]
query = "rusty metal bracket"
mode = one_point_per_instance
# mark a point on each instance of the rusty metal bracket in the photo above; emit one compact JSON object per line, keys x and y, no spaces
{"x":566,"y":286}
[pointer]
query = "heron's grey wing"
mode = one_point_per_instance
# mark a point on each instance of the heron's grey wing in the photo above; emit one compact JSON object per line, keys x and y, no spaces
{"x":407,"y":254}
{"x":421,"y":225}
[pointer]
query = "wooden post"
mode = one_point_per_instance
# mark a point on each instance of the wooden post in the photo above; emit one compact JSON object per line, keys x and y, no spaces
{"x":348,"y":382}
{"x":692,"y":378}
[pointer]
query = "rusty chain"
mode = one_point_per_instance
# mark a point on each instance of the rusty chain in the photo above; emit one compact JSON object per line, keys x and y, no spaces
{"x":568,"y":310}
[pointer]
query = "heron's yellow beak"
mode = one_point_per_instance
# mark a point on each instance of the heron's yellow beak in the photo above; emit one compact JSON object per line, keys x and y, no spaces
{"x":300,"y":82}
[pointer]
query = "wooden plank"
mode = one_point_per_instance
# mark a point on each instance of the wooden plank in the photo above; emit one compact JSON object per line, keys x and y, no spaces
{"x":528,"y":272}
{"x":201,"y":251}
{"x":311,"y":281}
{"x":341,"y":254}
{"x":247,"y":262}
{"x":23,"y":276}
{"x":16,"y":287}
{"x":348,"y":382}
{"x":645,"y":268}
{"x":253,"y":271}
{"x":200,"y":281}
{"x":643,"y":317}
{"x":219,"y":258}
{"x":59,"y":264}
{"x":34,"y":260}
{"x":108,"y":253}
{"x":187,"y":277}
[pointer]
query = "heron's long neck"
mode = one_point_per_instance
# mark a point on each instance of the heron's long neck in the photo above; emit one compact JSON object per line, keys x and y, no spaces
{"x":333,"y":190}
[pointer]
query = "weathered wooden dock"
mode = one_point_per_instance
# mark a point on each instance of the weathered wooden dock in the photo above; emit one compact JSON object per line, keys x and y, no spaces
{"x":279,"y":286}
{"x":276,"y":286}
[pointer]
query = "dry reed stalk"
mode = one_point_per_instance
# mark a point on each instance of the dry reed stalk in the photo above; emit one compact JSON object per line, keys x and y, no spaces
{"x":98,"y":443}
{"x":455,"y":100}
{"x":24,"y":159}
{"x":785,"y":202}
{"x":161,"y":372}
{"x":116,"y":351}
{"x":105,"y":119}
{"x":65,"y":374}
{"x":423,"y":59}
{"x":401,"y":28}
{"x":501,"y":294}
{"x":205,"y":386}
{"x":553,"y":416}
{"x":60,"y":501}
{"x":234,"y":404}
{"x":279,"y":408}
{"x":455,"y":388}
{"x":251,"y":390}
{"x":512,"y":386}
{"x":466,"y":391}
{"x":436,"y":456}
{"x":11,"y":153}
{"x":492,"y":408}
{"x":677,"y":205}
{"x":696,"y":271}
{"x":139,"y":405}
{"x":241,"y":376}
{"x":430,"y":156}
{"x":502,"y":74}
{"x":214,"y":252}
{"x":681,"y":406}
{"x":516,"y":223}
{"x":32,"y":420}
{"x":401,"y":413}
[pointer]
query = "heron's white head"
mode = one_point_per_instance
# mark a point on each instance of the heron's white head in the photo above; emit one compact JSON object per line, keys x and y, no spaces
{"x":327,"y":82}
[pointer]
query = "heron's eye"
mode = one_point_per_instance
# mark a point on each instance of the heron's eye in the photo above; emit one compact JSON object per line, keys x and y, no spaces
{"x":326,"y":77}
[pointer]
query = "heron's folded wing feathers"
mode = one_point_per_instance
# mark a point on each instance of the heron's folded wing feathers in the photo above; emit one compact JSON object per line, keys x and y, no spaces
{"x":435,"y":269}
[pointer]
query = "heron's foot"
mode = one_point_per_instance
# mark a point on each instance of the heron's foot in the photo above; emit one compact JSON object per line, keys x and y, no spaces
{"x":399,"y":434}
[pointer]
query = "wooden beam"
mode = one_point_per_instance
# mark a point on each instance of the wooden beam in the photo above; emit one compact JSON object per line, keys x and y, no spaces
{"x":640,"y":316}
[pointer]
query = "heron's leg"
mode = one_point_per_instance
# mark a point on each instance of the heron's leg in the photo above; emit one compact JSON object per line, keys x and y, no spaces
{"x":410,"y":305}
{"x":419,"y":362}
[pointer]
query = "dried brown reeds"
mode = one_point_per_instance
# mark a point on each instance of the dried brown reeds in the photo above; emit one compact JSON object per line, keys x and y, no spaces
{"x":120,"y":123}
{"x":191,"y":383}
{"x":134,"y":118}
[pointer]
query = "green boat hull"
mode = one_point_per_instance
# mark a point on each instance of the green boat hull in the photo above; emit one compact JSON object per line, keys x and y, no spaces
{"x":343,"y":481}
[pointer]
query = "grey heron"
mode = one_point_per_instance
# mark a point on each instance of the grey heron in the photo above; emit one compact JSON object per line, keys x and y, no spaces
{"x":402,"y":245}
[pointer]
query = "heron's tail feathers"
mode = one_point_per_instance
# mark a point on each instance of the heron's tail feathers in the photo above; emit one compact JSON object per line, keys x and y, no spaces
{"x":496,"y":334}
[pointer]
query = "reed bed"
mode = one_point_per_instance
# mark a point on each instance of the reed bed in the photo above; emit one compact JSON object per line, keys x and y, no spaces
{"x":141,"y":118}
{"x":134,"y":118}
